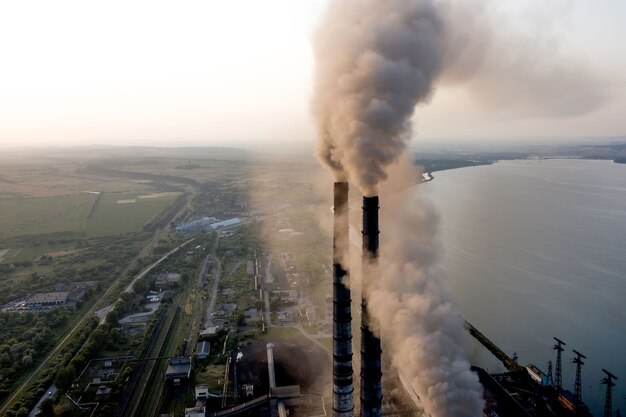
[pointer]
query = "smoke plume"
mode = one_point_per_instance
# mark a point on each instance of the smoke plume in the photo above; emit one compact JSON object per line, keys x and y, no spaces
{"x":375,"y":61}
{"x":525,"y":71}
{"x":421,"y":327}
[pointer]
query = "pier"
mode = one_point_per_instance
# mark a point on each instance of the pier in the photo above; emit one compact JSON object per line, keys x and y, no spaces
{"x":506,"y":360}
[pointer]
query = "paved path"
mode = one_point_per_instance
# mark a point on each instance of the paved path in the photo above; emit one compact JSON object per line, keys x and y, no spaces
{"x":143,"y":273}
{"x":50,"y":392}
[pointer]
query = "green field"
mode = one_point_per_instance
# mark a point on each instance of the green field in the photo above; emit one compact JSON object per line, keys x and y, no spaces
{"x":46,"y":215}
{"x":113,"y":217}
{"x":34,"y":216}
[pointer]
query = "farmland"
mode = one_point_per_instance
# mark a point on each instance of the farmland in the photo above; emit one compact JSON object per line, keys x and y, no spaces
{"x":44,"y":215}
{"x":110,"y":214}
{"x":122,"y":213}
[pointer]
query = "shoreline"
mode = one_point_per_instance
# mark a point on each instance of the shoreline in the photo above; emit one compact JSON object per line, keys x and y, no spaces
{"x":430,"y":177}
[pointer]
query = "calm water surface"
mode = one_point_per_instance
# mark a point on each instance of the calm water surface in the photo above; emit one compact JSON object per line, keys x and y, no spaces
{"x":536,"y":249}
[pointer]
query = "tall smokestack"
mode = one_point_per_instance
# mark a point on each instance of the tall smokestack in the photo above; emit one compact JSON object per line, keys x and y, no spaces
{"x":343,"y":388}
{"x":371,"y":387}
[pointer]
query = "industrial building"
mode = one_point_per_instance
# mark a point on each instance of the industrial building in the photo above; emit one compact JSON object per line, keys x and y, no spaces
{"x":178,"y":370}
{"x":168,"y":280}
{"x":203,"y":349}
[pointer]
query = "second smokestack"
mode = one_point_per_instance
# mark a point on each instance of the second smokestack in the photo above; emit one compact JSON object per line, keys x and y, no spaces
{"x":371,"y":374}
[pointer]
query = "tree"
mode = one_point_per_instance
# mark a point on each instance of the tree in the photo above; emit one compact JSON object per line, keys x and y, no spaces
{"x":27,"y":360}
{"x":113,"y":317}
{"x":140,"y":286}
{"x":65,"y":377}
{"x":22,"y":412}
{"x":47,"y":407}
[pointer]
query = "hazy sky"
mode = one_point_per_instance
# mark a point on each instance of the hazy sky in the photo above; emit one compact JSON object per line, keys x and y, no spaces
{"x":220,"y":72}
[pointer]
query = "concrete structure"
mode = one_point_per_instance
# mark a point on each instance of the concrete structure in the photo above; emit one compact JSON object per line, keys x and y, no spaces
{"x":55,"y":299}
{"x":343,"y":388}
{"x":178,"y":370}
{"x":226,"y":223}
{"x":103,"y":393}
{"x":195,"y":412}
{"x":371,"y":374}
{"x":202,"y":392}
{"x":168,"y":280}
{"x":248,"y":390}
{"x":196,"y":225}
{"x":203,"y":349}
{"x":270,"y":365}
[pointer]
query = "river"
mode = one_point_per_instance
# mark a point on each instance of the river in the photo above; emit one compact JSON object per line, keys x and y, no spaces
{"x":535,"y":249}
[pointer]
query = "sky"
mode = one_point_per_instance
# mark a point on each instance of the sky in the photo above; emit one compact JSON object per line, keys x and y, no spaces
{"x":241,"y":71}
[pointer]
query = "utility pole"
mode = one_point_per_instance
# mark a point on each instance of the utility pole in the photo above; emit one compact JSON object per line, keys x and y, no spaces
{"x":558,"y":376}
{"x":549,"y":380}
{"x":608,"y":400}
{"x":578,"y":360}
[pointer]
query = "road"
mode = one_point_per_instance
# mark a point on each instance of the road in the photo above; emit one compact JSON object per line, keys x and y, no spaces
{"x":50,"y":392}
{"x":81,"y":323}
{"x":267,"y":313}
{"x":143,"y":273}
{"x":269,"y":279}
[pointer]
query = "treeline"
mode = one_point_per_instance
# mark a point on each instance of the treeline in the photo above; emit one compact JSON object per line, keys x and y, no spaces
{"x":25,"y":340}
{"x":432,"y":165}
{"x":27,"y":401}
{"x":102,"y":170}
{"x":160,"y":220}
{"x":99,"y":260}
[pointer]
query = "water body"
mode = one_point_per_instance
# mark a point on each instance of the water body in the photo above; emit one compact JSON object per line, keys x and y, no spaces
{"x":536,"y":249}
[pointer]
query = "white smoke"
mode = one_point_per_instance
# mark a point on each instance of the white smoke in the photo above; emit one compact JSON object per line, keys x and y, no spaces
{"x":375,"y":61}
{"x":420,"y":326}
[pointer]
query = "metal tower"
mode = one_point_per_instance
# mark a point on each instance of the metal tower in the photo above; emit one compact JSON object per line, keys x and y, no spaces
{"x":558,"y":380}
{"x":608,"y":400}
{"x":549,"y":380}
{"x":578,"y":360}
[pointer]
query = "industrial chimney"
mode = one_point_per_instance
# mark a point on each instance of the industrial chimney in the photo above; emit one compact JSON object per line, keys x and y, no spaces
{"x":371,"y":387}
{"x":343,"y":388}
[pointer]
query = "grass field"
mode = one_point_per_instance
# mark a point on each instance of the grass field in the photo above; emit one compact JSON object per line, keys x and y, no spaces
{"x":122,"y":213}
{"x":33,"y":216}
{"x":33,"y":251}
{"x":114,"y":214}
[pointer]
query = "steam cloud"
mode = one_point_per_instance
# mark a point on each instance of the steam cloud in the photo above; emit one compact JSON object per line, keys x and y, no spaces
{"x":375,"y":61}
{"x":421,"y":327}
{"x":524,"y":72}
